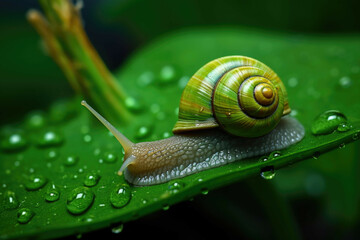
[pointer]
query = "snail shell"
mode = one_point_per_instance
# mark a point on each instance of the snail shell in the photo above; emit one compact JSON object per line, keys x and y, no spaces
{"x":240,"y":94}
{"x":220,"y":94}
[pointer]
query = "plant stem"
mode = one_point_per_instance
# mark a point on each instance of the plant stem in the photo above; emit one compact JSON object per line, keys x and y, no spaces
{"x":67,"y":43}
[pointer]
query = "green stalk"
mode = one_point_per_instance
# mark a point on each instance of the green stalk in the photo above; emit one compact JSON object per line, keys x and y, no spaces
{"x":67,"y":43}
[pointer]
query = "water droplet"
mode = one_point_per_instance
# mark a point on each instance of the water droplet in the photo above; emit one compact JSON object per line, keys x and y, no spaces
{"x":97,"y":151}
{"x":155,"y":108}
{"x":10,"y":200}
{"x":143,"y":132}
{"x":294,"y":113}
{"x":13,"y":142}
{"x":183,"y":82}
{"x":204,"y":191}
{"x":52,"y":193}
{"x":166,"y":135}
{"x":79,"y":200}
{"x":167,"y":74}
{"x":166,"y":207}
{"x":49,"y":138}
{"x":316,"y":155}
{"x":201,"y":109}
{"x":120,"y":196}
{"x":327,"y":122}
{"x":145,"y":79}
{"x":87,"y":219}
{"x":133,"y":104}
{"x":87,"y":138}
{"x":35,"y":120}
{"x":268,"y":173}
{"x":175,"y":186}
{"x":345,"y":82}
{"x":263,"y":159}
{"x":71,"y":160}
{"x":275,"y":154}
{"x":342,"y":145}
{"x":35,"y":182}
{"x":24,"y":215}
{"x":176,"y":111}
{"x":110,"y":157}
{"x":293,"y":82}
{"x":91,"y":179}
{"x":52,"y":155}
{"x":355,"y":136}
{"x":344,"y":127}
{"x":228,"y":114}
{"x":117,"y":229}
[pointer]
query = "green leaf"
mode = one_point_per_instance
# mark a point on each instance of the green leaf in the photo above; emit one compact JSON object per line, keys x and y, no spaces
{"x":320,"y":73}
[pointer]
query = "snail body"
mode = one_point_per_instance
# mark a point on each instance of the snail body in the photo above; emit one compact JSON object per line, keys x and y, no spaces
{"x":231,"y":109}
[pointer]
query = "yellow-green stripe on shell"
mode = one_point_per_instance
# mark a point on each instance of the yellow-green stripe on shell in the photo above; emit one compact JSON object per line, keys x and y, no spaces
{"x":240,"y":94}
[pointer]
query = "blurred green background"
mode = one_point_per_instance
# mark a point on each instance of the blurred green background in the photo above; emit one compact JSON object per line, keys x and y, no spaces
{"x":117,"y":28}
{"x":322,"y":194}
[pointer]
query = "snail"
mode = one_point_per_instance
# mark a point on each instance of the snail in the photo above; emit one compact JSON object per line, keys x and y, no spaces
{"x":232,"y":108}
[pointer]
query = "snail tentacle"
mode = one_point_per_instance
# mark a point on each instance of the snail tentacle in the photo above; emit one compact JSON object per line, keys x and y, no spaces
{"x":124,"y":141}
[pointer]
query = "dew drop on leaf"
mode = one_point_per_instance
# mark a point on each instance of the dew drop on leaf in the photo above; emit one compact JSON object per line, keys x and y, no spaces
{"x":91,"y":179}
{"x":24,"y":215}
{"x":52,"y":193}
{"x":71,"y":160}
{"x":10,"y":201}
{"x":204,"y":191}
{"x":275,"y":154}
{"x":35,"y":120}
{"x":49,"y":138}
{"x":268,"y":173}
{"x":316,"y":155}
{"x":110,"y":157}
{"x":87,"y":138}
{"x":183,"y":82}
{"x":145,"y":79}
{"x":175,"y":186}
{"x":120,"y":196}
{"x":13,"y":142}
{"x":176,"y":111}
{"x":35,"y":182}
{"x":117,"y":229}
{"x":293,"y":82}
{"x":167,"y":74}
{"x":166,"y":134}
{"x":143,"y":132}
{"x":344,"y":127}
{"x":263,"y":159}
{"x":345,"y":82}
{"x":327,"y":122}
{"x":52,"y":155}
{"x":79,"y":200}
{"x":133,"y":104}
{"x":355,"y":136}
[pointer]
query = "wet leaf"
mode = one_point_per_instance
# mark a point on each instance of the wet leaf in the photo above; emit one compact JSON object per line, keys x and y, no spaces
{"x":310,"y":67}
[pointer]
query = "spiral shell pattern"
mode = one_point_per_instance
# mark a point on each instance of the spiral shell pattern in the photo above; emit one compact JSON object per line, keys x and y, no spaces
{"x":240,"y":94}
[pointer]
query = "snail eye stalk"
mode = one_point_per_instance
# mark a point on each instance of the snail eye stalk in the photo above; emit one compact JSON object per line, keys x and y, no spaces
{"x":124,"y":141}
